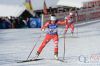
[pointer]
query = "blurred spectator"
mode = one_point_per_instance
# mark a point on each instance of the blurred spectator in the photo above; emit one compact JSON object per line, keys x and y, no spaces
{"x":16,"y":22}
{"x":5,"y":23}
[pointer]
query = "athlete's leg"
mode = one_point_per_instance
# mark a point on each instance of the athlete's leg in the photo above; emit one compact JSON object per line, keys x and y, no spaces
{"x":45,"y":41}
{"x":66,"y":28}
{"x":55,"y":39}
{"x":72,"y":27}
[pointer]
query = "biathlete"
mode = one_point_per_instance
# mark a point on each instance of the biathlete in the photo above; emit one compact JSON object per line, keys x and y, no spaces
{"x":52,"y":33}
{"x":70,"y":20}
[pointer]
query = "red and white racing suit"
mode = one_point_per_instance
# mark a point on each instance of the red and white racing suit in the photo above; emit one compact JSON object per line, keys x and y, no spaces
{"x":52,"y":33}
{"x":69,"y":23}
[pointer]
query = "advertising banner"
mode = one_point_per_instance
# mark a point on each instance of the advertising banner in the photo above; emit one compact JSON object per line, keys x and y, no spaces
{"x":34,"y":23}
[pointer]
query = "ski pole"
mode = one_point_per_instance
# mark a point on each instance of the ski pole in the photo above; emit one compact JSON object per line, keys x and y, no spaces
{"x":76,"y":20}
{"x":77,"y":31}
{"x":33,"y":48}
{"x":64,"y":47}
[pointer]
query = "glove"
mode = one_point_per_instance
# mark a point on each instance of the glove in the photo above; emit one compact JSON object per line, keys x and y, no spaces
{"x":65,"y":32}
{"x":43,"y":30}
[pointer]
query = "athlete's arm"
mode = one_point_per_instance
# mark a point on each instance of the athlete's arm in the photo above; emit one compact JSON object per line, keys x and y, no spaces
{"x":61,"y":22}
{"x":45,"y":25}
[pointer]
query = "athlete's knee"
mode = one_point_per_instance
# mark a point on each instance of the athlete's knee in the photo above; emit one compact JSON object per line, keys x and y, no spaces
{"x":46,"y":41}
{"x":56,"y":44}
{"x":72,"y":29}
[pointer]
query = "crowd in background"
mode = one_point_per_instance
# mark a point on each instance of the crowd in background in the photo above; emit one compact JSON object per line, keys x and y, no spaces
{"x":12,"y":22}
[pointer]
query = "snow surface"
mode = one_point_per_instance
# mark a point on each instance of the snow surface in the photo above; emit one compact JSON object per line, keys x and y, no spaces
{"x":82,"y":49}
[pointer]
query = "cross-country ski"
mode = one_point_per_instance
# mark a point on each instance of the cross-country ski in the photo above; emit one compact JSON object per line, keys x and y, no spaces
{"x":39,"y":60}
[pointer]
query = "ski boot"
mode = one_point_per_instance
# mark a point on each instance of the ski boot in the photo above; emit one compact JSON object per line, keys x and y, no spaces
{"x":36,"y":56}
{"x":56,"y":56}
{"x":72,"y":33}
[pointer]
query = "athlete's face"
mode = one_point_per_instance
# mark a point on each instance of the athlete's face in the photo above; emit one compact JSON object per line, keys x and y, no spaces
{"x":52,"y":21}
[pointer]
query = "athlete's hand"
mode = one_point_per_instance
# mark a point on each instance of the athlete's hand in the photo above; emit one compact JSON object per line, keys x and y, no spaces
{"x":43,"y":30}
{"x":65,"y":32}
